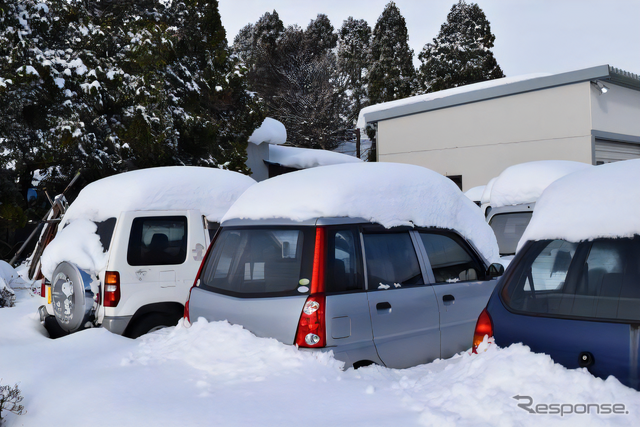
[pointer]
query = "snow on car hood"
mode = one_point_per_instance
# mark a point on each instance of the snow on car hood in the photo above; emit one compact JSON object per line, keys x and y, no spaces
{"x":386,"y":193}
{"x":525,"y":182}
{"x":210,"y":190}
{"x":602,"y":201}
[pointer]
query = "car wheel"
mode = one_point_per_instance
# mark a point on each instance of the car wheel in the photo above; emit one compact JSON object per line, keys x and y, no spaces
{"x":72,"y":297}
{"x":151,"y":322}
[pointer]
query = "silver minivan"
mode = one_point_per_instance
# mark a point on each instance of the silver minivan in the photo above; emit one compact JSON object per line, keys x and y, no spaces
{"x":397,"y":296}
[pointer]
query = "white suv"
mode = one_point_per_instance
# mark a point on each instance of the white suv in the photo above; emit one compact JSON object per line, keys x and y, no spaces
{"x":130,"y":247}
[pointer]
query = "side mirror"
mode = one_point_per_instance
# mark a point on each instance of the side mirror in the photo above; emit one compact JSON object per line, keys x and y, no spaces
{"x":495,"y":270}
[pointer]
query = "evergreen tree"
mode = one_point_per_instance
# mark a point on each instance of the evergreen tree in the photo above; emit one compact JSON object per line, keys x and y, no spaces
{"x":461,"y":53}
{"x":295,"y":72}
{"x":353,"y":54}
{"x":391,"y":73}
{"x":111,"y":85}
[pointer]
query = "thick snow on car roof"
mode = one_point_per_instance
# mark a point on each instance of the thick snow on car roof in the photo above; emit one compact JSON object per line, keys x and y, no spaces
{"x":525,"y":182}
{"x":210,"y":190}
{"x":386,"y":193}
{"x":602,"y":201}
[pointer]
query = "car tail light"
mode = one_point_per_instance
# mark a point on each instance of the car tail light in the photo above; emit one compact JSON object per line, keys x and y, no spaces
{"x":43,"y":289}
{"x":311,"y":327}
{"x":484,"y":326}
{"x":111,"y":288}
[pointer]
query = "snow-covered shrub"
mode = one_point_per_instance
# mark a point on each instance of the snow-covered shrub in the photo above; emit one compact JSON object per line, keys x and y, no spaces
{"x":7,"y":296}
{"x":10,"y":399}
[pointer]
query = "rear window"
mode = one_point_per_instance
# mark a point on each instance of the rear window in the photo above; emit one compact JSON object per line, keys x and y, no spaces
{"x":158,"y":240}
{"x":105,"y":232}
{"x":597,"y":280}
{"x":508,"y":228}
{"x":260,"y":261}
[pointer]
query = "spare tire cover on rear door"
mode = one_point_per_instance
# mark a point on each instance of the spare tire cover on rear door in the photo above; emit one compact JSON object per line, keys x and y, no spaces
{"x":72,"y":297}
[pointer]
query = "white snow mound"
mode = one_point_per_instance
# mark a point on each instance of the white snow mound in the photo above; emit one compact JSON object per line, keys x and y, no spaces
{"x":304,"y":158}
{"x":270,"y":131}
{"x":210,"y":190}
{"x":602,"y":201}
{"x":386,"y":193}
{"x":525,"y":182}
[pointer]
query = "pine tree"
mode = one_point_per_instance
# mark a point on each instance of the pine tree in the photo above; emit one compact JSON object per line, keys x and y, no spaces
{"x":461,"y":53}
{"x":392,"y":73}
{"x":111,"y":85}
{"x":353,"y":54}
{"x":295,"y":72}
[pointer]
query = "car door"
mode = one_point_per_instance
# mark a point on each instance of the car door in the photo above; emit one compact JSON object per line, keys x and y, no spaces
{"x":403,"y":309}
{"x":459,"y":285}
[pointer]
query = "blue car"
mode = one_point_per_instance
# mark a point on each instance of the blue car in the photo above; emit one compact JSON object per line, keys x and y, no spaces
{"x":573,"y":289}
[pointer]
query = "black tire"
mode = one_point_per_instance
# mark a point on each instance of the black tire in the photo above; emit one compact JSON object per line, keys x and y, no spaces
{"x":72,"y":297}
{"x":151,"y":322}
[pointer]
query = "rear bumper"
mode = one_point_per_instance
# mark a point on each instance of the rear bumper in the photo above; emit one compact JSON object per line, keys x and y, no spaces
{"x":116,"y":324}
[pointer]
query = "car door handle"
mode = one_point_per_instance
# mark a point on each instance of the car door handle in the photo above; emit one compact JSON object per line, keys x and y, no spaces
{"x":448,"y":299}
{"x":383,"y":306}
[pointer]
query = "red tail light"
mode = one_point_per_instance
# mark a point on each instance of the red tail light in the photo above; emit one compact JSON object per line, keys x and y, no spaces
{"x":311,"y":327}
{"x":111,"y":288}
{"x":484,"y":326}
{"x":43,"y":289}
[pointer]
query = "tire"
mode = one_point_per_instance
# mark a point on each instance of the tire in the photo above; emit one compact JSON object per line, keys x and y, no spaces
{"x":151,"y":322}
{"x":72,"y":298}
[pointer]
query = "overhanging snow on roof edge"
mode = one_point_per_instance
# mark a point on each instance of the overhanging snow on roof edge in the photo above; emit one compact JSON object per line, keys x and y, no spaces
{"x":493,"y":89}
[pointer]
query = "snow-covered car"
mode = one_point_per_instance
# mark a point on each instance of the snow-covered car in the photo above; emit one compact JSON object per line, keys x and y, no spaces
{"x":513,"y":194}
{"x":130,"y":246}
{"x":573,"y":289}
{"x":378,"y":262}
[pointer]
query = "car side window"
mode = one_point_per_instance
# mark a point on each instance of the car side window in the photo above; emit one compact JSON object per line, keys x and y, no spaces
{"x":343,"y":265}
{"x":158,"y":241}
{"x":450,"y":261}
{"x":391,"y":261}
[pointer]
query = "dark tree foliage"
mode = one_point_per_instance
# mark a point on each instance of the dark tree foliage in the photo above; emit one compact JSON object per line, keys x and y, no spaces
{"x":295,"y":72}
{"x":111,"y":85}
{"x":353,"y":60}
{"x":461,"y":53}
{"x":391,"y":72}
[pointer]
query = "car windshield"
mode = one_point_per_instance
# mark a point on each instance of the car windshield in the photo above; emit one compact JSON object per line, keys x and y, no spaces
{"x":599,"y":279}
{"x":508,"y":228}
{"x":260,"y":261}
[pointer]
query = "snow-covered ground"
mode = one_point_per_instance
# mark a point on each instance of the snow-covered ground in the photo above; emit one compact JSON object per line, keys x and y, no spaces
{"x":216,"y":374}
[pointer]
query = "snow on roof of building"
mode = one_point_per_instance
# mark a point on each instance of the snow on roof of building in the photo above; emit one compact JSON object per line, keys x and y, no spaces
{"x":210,"y":190}
{"x":493,"y":89}
{"x":525,"y":182}
{"x":270,"y":131}
{"x":601,"y":201}
{"x":303,"y":158}
{"x":419,"y":103}
{"x":386,"y":193}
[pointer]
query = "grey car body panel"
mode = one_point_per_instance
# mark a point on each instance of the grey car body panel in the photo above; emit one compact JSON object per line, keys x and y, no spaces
{"x":349,"y":328}
{"x":405,"y":323}
{"x":458,"y":317}
{"x":116,"y":324}
{"x":265,"y":317}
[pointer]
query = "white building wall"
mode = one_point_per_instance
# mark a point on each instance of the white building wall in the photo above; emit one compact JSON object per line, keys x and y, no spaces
{"x":617,"y":111}
{"x":479,"y":140}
